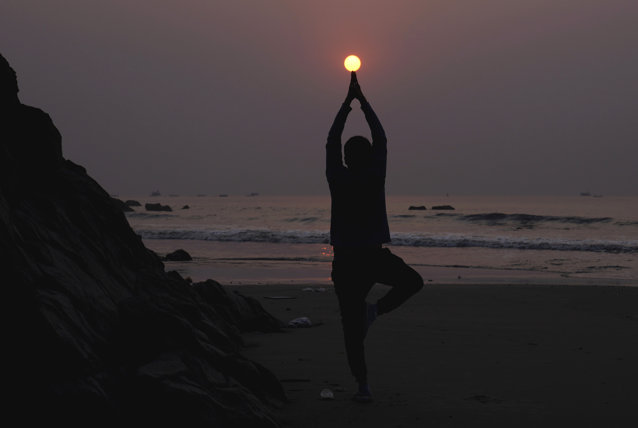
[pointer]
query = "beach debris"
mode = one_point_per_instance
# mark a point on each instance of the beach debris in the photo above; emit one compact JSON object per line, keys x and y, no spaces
{"x":336,"y":386}
{"x":314,"y":289}
{"x":301,"y":322}
{"x":326,"y":394}
{"x":178,"y":256}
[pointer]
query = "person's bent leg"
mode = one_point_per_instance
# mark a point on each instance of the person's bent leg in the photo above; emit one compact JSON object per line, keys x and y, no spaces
{"x":405,"y":282}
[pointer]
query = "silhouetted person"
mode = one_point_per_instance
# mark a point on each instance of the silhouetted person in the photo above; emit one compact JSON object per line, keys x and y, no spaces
{"x":30,"y":144}
{"x":358,"y":228}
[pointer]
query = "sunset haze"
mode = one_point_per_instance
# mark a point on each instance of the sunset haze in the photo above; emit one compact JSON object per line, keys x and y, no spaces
{"x":491,"y":97}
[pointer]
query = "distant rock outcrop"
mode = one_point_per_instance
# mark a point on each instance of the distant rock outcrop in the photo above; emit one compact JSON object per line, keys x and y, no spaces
{"x":157,"y":207}
{"x":123,"y":205}
{"x":443,"y":207}
{"x":99,"y":334}
{"x":132,"y":203}
{"x":417,"y":207}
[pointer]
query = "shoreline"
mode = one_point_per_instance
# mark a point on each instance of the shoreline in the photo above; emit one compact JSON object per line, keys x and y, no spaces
{"x":302,"y":273}
{"x":460,"y":354}
{"x":455,"y":276}
{"x":235,"y":263}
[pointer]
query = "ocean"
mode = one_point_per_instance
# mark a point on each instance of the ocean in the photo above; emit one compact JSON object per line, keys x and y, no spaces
{"x":260,"y":239}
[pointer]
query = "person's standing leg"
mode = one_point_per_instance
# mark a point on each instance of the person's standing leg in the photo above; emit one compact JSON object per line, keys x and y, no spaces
{"x":393,"y":271}
{"x":352,"y":286}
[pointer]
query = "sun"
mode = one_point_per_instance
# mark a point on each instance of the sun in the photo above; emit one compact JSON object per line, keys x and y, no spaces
{"x":352,"y":63}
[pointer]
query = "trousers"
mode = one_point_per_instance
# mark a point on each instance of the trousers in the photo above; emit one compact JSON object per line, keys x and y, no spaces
{"x":354,"y":273}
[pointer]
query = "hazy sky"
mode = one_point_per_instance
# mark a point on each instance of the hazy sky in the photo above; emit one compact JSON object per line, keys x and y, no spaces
{"x":210,"y":96}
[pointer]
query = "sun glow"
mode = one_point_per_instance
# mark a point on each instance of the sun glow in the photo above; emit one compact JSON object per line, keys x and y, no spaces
{"x":352,"y":63}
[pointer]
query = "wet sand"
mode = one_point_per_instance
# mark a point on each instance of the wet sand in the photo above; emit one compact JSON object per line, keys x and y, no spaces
{"x":460,"y":355}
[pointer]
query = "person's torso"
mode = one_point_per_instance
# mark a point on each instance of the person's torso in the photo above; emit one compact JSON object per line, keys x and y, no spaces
{"x":358,"y":210}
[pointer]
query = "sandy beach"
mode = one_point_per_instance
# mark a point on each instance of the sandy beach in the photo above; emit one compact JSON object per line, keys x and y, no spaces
{"x":460,"y":355}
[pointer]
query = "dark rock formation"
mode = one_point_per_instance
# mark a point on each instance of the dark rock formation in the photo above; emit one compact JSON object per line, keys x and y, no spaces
{"x":417,"y":207}
{"x":443,"y":207}
{"x":186,"y":207}
{"x":99,"y":334}
{"x":236,"y":309}
{"x":132,"y":203}
{"x":157,"y":207}
{"x":178,"y":256}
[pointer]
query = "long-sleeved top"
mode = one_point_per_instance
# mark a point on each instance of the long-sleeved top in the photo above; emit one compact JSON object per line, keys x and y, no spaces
{"x":358,"y":212}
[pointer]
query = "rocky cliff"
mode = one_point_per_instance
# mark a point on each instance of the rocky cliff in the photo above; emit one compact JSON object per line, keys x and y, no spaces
{"x":98,"y":333}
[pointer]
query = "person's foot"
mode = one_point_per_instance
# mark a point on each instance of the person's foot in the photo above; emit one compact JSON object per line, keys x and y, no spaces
{"x":363,"y":395}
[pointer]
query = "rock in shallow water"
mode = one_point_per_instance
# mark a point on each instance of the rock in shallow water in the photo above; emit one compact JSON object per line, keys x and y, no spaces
{"x":157,"y":207}
{"x":123,"y":205}
{"x":178,"y":256}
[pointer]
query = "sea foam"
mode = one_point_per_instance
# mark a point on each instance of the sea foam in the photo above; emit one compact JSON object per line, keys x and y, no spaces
{"x":398,"y":239}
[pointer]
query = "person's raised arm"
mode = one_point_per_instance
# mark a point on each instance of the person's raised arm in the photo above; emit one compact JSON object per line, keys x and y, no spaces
{"x":379,"y":140}
{"x":334,"y":160}
{"x":376,"y":130}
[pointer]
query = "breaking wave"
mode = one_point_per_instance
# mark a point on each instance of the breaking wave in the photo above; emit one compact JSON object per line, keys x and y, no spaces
{"x":500,"y":218}
{"x":398,"y":239}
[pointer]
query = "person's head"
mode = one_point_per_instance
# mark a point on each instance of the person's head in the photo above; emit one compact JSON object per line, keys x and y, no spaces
{"x":357,"y":152}
{"x":8,"y":82}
